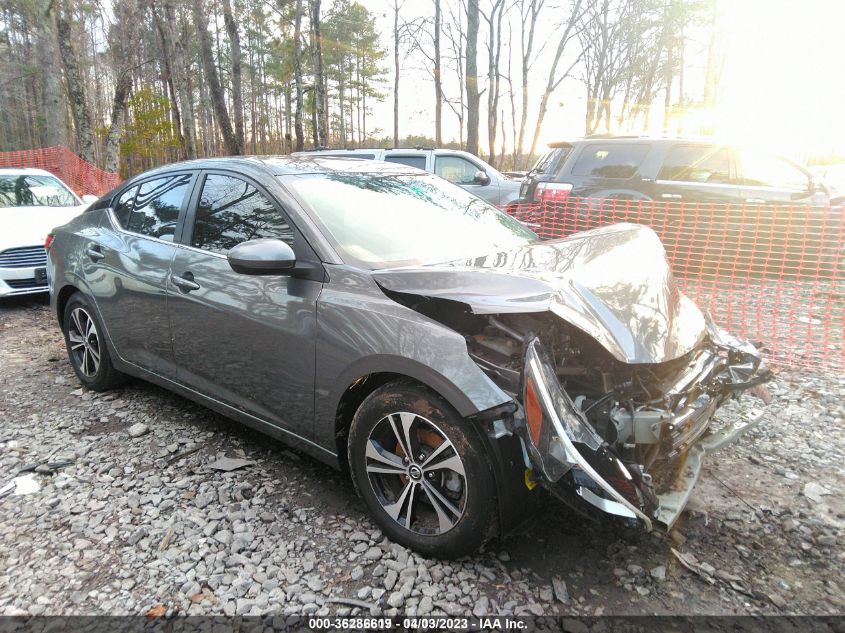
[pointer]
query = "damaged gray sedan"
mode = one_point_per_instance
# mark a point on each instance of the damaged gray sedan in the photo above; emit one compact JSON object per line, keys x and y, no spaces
{"x":397,"y":327}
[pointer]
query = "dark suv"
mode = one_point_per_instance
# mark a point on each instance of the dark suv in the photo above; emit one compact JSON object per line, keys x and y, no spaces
{"x":638,"y":168}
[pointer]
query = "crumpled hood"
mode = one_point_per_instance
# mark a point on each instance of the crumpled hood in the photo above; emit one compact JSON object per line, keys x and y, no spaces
{"x":29,"y":226}
{"x":614,"y":283}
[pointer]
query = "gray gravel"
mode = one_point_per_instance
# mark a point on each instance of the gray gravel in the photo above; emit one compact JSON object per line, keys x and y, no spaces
{"x":139,"y":522}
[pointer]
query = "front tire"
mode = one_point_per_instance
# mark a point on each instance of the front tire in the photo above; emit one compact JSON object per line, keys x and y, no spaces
{"x":86,"y":346}
{"x":422,"y":471}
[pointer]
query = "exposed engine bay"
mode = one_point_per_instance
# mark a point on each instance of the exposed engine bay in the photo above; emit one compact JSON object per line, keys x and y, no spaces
{"x":645,"y":416}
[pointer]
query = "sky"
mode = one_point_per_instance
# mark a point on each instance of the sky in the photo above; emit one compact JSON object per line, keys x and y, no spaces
{"x":782,"y":87}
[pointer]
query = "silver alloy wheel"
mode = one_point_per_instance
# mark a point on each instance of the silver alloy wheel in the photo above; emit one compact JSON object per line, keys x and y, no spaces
{"x":84,"y":342}
{"x":416,"y":473}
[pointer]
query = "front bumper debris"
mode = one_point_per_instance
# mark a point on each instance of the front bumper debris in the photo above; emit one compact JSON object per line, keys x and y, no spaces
{"x":673,"y":503}
{"x":565,"y":450}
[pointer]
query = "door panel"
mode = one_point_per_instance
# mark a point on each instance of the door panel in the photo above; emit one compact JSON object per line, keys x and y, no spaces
{"x":127,"y":271}
{"x":246,"y":340}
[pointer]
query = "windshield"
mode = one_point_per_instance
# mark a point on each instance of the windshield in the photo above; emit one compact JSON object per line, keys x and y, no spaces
{"x":381,"y":221}
{"x":19,"y":190}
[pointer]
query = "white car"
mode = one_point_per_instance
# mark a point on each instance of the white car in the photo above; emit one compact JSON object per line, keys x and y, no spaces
{"x":460,"y":168}
{"x":32,"y":202}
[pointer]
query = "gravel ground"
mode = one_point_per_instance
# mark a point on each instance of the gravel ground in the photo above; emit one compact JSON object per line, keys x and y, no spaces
{"x":137,"y":521}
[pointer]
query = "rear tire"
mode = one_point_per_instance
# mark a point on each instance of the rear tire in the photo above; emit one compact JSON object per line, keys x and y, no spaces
{"x":86,"y":346}
{"x":439,"y":502}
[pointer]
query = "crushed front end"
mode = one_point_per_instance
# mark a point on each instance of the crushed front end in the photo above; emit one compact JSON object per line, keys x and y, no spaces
{"x":615,"y":375}
{"x":626,"y":439}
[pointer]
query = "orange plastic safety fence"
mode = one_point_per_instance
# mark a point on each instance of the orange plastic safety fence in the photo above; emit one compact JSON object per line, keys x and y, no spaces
{"x":774,"y":274}
{"x":79,"y":175}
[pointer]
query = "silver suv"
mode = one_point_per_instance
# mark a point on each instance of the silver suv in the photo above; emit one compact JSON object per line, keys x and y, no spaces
{"x":460,"y":168}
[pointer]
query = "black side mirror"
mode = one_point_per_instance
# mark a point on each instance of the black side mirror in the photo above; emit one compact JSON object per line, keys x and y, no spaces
{"x":481,"y":178}
{"x":262,"y":257}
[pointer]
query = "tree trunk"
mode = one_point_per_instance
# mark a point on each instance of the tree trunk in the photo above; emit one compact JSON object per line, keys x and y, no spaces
{"x":118,"y":113}
{"x":163,"y":27}
{"x":473,"y":96}
{"x":494,"y":49}
{"x":341,"y":101}
{"x":315,"y":133}
{"x":181,"y":78}
{"x":526,"y":48}
{"x":667,"y":99}
{"x":297,"y":71}
{"x":237,"y":90}
{"x":515,"y":149}
{"x":438,"y":83}
{"x":128,"y":14}
{"x":319,"y":79}
{"x":288,"y":108}
{"x":75,"y":85}
{"x":396,"y":73}
{"x":218,"y":100}
{"x":54,"y":131}
{"x":710,"y":70}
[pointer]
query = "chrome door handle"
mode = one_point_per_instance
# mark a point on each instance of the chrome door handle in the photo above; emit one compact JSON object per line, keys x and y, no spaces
{"x":94,"y":253}
{"x":755,"y":201}
{"x":671,"y":196}
{"x":185,"y":284}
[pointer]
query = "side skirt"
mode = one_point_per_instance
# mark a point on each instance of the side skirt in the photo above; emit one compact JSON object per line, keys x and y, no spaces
{"x":291,"y":439}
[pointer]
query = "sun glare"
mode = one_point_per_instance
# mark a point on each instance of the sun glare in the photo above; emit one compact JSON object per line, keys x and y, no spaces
{"x":783,"y":89}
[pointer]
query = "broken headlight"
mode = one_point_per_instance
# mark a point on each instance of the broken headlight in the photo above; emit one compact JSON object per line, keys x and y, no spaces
{"x":550,"y":416}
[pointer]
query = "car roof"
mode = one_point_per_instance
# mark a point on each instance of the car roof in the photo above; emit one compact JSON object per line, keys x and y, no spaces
{"x":658,"y":140}
{"x":289,"y":166}
{"x":361,"y":150}
{"x":328,"y":151}
{"x":24,"y":171}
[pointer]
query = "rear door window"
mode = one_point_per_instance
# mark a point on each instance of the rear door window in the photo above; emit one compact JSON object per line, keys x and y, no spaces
{"x":617,"y":160}
{"x":697,"y":163}
{"x":410,"y":161}
{"x":157,"y":206}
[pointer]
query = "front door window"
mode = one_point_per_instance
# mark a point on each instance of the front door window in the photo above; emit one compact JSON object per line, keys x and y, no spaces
{"x":455,"y":169}
{"x":232,"y":211}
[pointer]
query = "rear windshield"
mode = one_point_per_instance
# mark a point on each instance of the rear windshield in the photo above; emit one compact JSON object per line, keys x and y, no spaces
{"x":613,"y":160}
{"x":543,"y":163}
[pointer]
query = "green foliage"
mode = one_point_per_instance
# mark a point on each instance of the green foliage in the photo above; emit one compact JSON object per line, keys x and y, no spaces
{"x":149,"y":136}
{"x":413,"y":140}
{"x":352,"y":56}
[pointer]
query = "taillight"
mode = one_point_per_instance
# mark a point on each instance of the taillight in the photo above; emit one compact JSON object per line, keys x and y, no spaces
{"x":48,"y":241}
{"x":552,"y":191}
